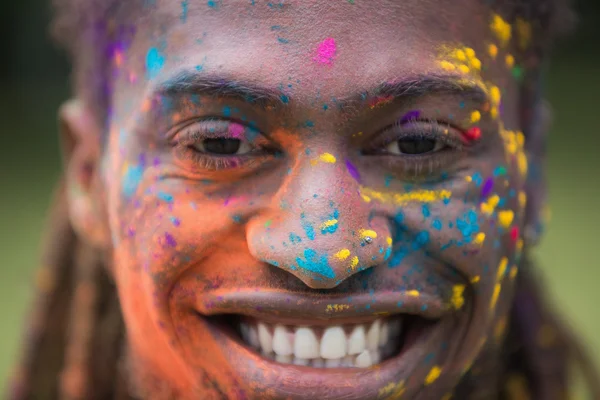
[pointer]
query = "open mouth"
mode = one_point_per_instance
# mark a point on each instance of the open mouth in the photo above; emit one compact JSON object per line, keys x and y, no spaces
{"x":342,"y":345}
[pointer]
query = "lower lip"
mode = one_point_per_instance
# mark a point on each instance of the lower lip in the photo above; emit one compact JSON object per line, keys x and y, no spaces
{"x":292,"y":381}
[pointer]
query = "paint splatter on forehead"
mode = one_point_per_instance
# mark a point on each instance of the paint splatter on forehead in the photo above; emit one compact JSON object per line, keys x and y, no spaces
{"x":100,"y":23}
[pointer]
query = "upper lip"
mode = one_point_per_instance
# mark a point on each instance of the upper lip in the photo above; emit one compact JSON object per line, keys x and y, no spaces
{"x":293,"y":308}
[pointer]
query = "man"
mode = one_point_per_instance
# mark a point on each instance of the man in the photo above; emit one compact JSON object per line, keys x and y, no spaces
{"x":302,"y":200}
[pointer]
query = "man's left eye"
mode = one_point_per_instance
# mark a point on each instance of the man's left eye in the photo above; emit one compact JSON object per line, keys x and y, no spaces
{"x":223,"y":146}
{"x":415,"y":146}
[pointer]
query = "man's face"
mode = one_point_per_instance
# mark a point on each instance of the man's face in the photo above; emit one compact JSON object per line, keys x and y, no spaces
{"x":314,"y":200}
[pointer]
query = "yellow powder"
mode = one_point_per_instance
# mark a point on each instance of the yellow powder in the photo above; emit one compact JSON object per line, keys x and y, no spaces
{"x":433,"y":375}
{"x":342,"y":254}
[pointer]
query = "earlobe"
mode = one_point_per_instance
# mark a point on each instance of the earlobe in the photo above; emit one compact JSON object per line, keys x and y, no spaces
{"x":81,"y":145}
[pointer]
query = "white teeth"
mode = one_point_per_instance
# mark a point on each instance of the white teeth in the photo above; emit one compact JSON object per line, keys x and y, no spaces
{"x":265,"y":339}
{"x":357,"y":340}
{"x":326,"y":347}
{"x":363,"y":360}
{"x":250,"y":335}
{"x":253,"y":337}
{"x":373,"y":335}
{"x":306,"y":344}
{"x":383,"y":335}
{"x":333,"y":343}
{"x":281,"y":341}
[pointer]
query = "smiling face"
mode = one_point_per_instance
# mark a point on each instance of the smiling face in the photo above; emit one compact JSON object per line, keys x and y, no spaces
{"x":313,"y":201}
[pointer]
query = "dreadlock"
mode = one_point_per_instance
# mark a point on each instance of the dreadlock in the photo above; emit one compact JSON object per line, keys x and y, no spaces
{"x":75,"y":338}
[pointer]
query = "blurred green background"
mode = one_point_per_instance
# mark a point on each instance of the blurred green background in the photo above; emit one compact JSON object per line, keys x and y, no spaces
{"x":33,"y":77}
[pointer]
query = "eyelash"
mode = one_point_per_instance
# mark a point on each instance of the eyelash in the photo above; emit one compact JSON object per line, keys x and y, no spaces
{"x":417,"y":164}
{"x":186,"y":137}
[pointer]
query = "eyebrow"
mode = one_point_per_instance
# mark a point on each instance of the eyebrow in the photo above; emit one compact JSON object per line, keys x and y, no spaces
{"x":195,"y":83}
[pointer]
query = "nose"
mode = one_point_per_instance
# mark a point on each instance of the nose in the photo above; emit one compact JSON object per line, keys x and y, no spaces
{"x":318,"y":228}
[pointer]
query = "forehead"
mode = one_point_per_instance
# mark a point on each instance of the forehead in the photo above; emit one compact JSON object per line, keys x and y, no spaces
{"x":319,"y":45}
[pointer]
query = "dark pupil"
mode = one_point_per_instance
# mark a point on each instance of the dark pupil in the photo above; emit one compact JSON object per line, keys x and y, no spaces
{"x":416,"y":145}
{"x":222,"y":146}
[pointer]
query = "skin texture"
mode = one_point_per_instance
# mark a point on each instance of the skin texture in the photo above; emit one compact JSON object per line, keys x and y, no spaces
{"x":189,"y":235}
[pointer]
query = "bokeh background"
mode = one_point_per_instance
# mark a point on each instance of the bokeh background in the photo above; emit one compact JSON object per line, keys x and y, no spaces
{"x":34,"y":80}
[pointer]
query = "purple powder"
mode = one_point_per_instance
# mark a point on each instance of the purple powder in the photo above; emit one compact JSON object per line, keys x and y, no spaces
{"x":170,"y":240}
{"x":410,"y":116}
{"x":353,"y":171}
{"x":487,"y":188}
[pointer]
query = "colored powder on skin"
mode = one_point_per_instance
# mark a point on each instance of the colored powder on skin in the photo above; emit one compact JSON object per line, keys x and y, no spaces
{"x":423,"y":196}
{"x":499,"y":171}
{"x":327,"y":158}
{"x":514,"y":233}
{"x":388,"y":180}
{"x":426,"y":211}
{"x":165,"y":197}
{"x":326,"y":52}
{"x":308,"y":228}
{"x":473,"y":133}
{"x":236,"y":130}
{"x":329,"y":226}
{"x":132,"y":179}
{"x":212,"y":4}
{"x":342,"y":254}
{"x":410,"y":116}
{"x":468,"y":225}
{"x":316,"y":263}
{"x":170,"y":240}
{"x":437,"y":224}
{"x":505,"y":218}
{"x":433,"y":375}
{"x":352,"y":171}
{"x":295,"y":238}
{"x":487,"y":188}
{"x":363,"y":233}
{"x":175,"y":221}
{"x":353,"y":263}
{"x":155,"y":61}
{"x":184,"y":11}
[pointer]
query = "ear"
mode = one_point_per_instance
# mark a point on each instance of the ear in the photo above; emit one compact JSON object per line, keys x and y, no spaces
{"x":81,"y":145}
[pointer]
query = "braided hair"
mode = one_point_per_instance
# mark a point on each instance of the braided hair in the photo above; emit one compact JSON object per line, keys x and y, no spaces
{"x":75,"y":338}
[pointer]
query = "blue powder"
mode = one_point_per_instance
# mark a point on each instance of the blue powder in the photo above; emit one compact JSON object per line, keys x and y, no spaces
{"x":295,"y":238}
{"x":184,"y":11}
{"x":165,"y":197}
{"x":155,"y":61}
{"x":316,"y":263}
{"x":132,"y":179}
{"x":426,"y":212}
{"x":308,"y":228}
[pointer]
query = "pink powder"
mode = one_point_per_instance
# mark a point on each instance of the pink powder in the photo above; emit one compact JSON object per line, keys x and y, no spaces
{"x":236,"y":130}
{"x":326,"y":52}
